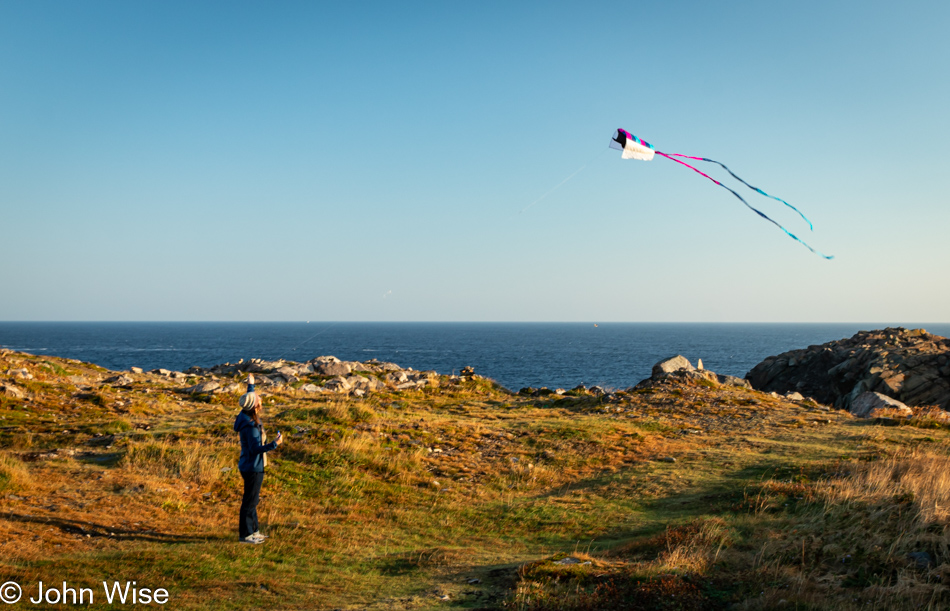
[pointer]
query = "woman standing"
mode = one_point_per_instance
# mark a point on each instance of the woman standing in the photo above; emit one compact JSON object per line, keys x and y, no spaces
{"x":252,"y":462}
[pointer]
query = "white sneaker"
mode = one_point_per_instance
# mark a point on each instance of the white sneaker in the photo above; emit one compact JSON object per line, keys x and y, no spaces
{"x":258,"y":535}
{"x":252,"y":540}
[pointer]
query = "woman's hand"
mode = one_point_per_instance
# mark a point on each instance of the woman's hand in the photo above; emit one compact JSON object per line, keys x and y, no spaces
{"x":280,"y":438}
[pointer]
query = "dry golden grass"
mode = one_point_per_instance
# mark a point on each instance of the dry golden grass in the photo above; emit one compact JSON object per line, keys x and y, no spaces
{"x":698,"y":550}
{"x":180,"y":461}
{"x":872,"y":534}
{"x":921,"y":478}
{"x":14,"y":475}
{"x":398,"y":499}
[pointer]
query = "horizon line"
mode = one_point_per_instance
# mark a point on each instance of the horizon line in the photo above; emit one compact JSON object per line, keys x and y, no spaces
{"x":589,"y":321}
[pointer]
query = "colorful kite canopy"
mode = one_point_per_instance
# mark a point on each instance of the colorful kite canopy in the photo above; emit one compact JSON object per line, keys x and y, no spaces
{"x":632,"y":147}
{"x":635,"y":148}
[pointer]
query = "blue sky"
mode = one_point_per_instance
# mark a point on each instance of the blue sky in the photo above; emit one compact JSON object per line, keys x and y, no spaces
{"x":373,"y":161}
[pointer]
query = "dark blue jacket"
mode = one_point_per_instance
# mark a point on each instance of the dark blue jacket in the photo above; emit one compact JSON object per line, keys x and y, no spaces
{"x":252,"y":450}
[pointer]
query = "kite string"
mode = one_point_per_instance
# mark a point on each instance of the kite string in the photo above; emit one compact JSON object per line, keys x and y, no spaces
{"x":759,"y":212}
{"x":294,"y":349}
{"x":563,"y":182}
{"x":734,"y":175}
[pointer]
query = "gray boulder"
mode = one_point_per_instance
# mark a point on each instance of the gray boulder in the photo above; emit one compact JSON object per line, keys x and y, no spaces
{"x":411,"y":385}
{"x":295,"y":369}
{"x":397,"y":377}
{"x":324,"y":359}
{"x":263,"y":380}
{"x":734,"y":381}
{"x":366,"y":384}
{"x":203,"y":388}
{"x":670,"y":365}
{"x":331,"y":368}
{"x":119,"y":380}
{"x":288,"y":374}
{"x":337,"y":384}
{"x":864,"y":405}
{"x":286,"y":371}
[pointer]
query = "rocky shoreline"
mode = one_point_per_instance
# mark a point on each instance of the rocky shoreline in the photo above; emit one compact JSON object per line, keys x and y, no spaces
{"x":888,"y":370}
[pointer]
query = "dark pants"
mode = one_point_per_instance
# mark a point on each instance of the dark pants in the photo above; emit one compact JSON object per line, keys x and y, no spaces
{"x":252,"y":496}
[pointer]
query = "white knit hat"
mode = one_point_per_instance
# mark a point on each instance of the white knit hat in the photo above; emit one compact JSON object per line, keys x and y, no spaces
{"x":248,"y":401}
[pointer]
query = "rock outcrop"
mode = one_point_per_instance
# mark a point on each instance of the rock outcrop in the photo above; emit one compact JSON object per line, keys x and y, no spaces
{"x":911,"y":366}
{"x":324,"y":374}
{"x":678,"y":368}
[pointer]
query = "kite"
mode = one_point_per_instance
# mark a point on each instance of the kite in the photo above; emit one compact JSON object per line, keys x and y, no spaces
{"x":635,"y":148}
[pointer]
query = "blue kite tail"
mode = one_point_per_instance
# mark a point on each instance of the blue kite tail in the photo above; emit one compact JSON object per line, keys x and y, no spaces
{"x":670,"y":156}
{"x":758,"y":190}
{"x":787,"y":232}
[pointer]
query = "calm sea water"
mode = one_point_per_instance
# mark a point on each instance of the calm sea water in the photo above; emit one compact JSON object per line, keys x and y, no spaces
{"x":563,"y":355}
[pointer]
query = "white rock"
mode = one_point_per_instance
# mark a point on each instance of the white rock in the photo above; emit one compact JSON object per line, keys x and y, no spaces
{"x":866,"y":402}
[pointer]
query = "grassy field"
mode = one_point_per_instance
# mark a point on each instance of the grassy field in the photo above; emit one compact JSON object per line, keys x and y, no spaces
{"x":463,"y":495}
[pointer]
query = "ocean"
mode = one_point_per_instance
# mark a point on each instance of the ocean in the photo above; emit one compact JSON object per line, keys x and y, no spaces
{"x":556,"y":355}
